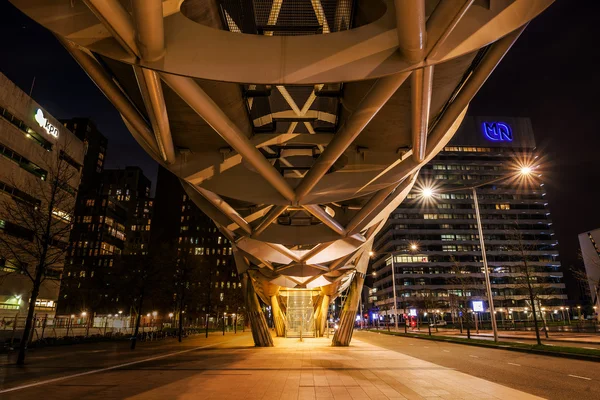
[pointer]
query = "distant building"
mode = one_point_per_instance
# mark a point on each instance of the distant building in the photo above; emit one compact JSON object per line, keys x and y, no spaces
{"x":94,"y":144}
{"x":179,"y":222}
{"x":436,"y":243}
{"x":31,"y":141}
{"x":131,"y":189}
{"x":590,"y":252}
{"x":113,"y":219}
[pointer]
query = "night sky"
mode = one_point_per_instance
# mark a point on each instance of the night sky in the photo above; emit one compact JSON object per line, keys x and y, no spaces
{"x":549,"y":76}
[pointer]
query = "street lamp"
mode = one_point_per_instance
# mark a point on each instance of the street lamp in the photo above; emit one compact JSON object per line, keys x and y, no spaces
{"x":427,"y":193}
{"x":413,"y":247}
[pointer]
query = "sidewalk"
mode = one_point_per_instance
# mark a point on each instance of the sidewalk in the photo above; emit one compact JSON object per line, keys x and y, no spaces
{"x":235,"y":369}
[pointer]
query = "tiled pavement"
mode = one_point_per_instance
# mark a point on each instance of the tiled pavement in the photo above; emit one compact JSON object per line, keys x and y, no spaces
{"x":312,"y":369}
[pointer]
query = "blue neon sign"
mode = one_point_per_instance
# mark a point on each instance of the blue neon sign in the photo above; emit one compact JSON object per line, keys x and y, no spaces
{"x":497,"y":131}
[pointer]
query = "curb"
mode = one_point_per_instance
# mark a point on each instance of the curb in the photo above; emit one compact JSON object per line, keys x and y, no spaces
{"x":583,"y":357}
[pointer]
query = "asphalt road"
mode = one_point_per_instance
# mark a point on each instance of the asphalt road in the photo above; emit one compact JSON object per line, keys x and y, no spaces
{"x":548,"y":377}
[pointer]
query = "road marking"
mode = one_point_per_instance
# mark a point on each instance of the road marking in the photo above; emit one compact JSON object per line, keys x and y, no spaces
{"x":95,"y":371}
{"x":473,"y":356}
{"x":426,"y":347}
{"x":520,"y":342}
{"x":447,"y":351}
{"x":517,"y":365}
{"x":548,"y":344}
{"x":411,"y":344}
{"x":591,"y":348}
{"x":580,"y":377}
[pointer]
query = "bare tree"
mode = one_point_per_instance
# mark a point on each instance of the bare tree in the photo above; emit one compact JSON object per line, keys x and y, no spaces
{"x":531,"y":283}
{"x":467,"y":283}
{"x":145,"y":282}
{"x":37,"y":221}
{"x":188,"y":277}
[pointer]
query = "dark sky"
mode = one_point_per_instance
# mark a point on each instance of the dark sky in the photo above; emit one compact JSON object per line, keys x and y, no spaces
{"x":549,"y":76}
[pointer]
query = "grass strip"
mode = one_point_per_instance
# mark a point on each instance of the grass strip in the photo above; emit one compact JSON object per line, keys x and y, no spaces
{"x":558,"y":351}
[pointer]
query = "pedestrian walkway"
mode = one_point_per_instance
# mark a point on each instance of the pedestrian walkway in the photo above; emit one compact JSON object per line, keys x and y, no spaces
{"x":310,"y":369}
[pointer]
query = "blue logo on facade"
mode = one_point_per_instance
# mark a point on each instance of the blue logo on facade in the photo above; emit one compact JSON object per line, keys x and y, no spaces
{"x":497,"y":131}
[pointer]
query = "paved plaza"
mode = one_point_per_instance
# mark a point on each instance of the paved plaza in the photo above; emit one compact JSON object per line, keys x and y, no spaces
{"x":231,"y":367}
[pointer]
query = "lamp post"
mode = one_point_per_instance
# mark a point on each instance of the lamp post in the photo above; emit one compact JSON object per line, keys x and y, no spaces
{"x":394,"y":291}
{"x":488,"y":286}
{"x":427,"y":193}
{"x":413,"y":247}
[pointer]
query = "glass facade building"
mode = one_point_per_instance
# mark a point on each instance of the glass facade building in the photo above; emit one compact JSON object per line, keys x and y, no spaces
{"x":435,"y":241}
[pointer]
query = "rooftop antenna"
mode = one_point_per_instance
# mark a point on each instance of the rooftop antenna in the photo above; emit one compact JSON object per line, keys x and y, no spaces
{"x":32,"y":85}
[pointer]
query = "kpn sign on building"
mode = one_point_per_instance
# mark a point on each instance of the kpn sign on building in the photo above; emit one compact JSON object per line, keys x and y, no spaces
{"x":45,"y":123}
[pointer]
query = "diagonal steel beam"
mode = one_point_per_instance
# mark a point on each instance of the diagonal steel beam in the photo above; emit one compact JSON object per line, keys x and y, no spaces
{"x":150,"y":87}
{"x":420,"y":96}
{"x":442,"y":22}
{"x":149,"y":28}
{"x":118,"y":21}
{"x":374,"y":211}
{"x":268,"y":219}
{"x":150,"y":38}
{"x":225,"y":208}
{"x":200,"y":102}
{"x":316,"y":250}
{"x":438,"y":135}
{"x":325,"y":218}
{"x":373,"y":101}
{"x":283,"y":250}
{"x":373,"y":203}
{"x":114,"y":94}
{"x":410,"y":26}
{"x":143,"y":39}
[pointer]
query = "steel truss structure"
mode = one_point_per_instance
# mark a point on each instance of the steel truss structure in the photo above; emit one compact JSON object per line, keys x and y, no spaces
{"x":296,"y":125}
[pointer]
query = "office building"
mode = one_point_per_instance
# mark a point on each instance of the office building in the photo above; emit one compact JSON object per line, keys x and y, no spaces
{"x":35,"y":148}
{"x":131,"y":189}
{"x":438,"y":260}
{"x":179,"y":223}
{"x":113,"y":219}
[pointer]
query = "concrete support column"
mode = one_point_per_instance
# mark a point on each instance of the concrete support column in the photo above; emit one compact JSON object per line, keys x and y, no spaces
{"x":258,"y":322}
{"x":278,"y":317}
{"x":322,"y":321}
{"x":343,"y":334}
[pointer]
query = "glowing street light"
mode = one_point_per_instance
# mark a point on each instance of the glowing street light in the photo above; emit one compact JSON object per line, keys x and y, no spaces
{"x":154,"y":314}
{"x":171,"y":315}
{"x":83,"y":314}
{"x":427,"y":192}
{"x":414,"y":246}
{"x":526,"y":170}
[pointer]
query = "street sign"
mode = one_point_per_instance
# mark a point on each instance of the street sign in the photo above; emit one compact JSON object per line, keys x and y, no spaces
{"x":478,"y":306}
